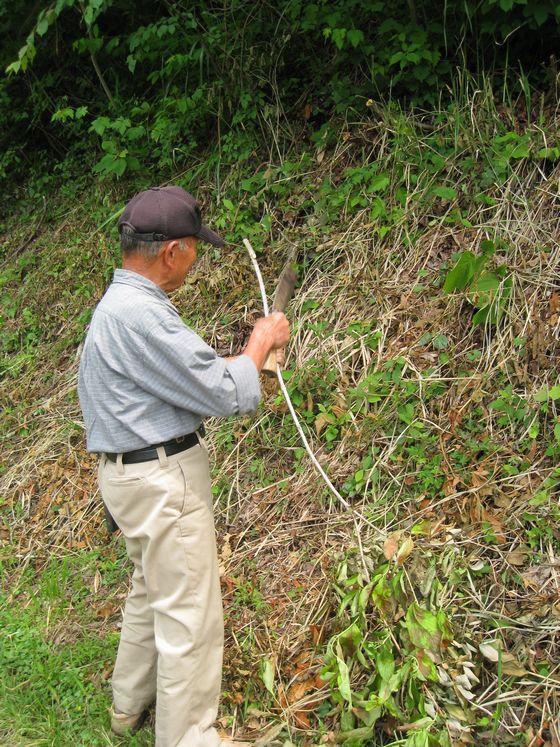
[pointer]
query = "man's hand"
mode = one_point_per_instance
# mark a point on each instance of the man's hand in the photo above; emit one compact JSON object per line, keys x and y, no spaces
{"x":269,"y":333}
{"x":276,"y":327}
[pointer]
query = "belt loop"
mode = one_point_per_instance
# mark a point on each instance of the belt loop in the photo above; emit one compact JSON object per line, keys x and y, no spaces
{"x":120,"y":465}
{"x":201,"y":440}
{"x":162,"y":457}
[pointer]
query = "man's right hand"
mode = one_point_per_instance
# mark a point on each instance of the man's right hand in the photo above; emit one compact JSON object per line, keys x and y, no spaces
{"x":276,"y":327}
{"x":269,"y":333}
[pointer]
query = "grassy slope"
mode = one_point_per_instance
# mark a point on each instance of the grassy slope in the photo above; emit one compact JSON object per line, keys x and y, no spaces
{"x":428,"y":425}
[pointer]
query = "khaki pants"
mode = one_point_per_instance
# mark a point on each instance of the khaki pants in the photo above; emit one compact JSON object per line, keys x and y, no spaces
{"x":172,"y":633}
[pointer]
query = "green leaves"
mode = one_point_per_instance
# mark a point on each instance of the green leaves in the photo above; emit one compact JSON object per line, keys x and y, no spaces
{"x":267,"y":675}
{"x":467,"y":268}
{"x":487,"y":290}
{"x":545,"y":393}
{"x":342,"y":37}
{"x":93,"y":9}
{"x":120,"y":145}
{"x":379,"y":183}
{"x":426,"y":629}
{"x":381,"y":654}
{"x":446,"y":193}
{"x":343,"y":680}
{"x":68,"y":113}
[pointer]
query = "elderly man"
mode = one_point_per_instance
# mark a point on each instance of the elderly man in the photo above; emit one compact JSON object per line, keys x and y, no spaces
{"x":146,"y":381}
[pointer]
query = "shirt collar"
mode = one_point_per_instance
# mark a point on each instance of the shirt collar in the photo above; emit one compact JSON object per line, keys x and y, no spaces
{"x":128,"y":277}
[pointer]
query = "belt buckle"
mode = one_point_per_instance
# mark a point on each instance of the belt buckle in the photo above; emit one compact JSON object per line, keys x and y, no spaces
{"x":180,"y":439}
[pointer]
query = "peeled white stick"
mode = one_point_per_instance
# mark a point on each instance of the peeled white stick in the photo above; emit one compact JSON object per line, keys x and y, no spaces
{"x":295,"y":418}
{"x":258,"y":274}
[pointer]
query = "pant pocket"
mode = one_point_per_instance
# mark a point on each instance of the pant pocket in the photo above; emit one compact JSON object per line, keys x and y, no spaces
{"x":196,"y":474}
{"x":128,"y":481}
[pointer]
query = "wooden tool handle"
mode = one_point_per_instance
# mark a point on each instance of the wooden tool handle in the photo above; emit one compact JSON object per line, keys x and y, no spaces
{"x":284,"y":291}
{"x":269,"y":367}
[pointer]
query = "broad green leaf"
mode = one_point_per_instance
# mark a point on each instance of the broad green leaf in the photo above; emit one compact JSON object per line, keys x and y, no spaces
{"x":446,"y":193}
{"x":61,"y":115}
{"x":121,"y":125}
{"x":347,"y":720}
{"x":267,"y":675}
{"x":481,"y":316}
{"x":119,"y":166}
{"x":540,"y":13}
{"x":343,"y":680}
{"x":533,"y":431}
{"x":427,"y":620}
{"x":368,"y":714}
{"x":488,"y":247}
{"x":426,"y":667}
{"x":461,"y":275}
{"x":440,"y":342}
{"x":542,"y":395}
{"x":444,"y":626}
{"x":354,"y":36}
{"x":133,"y":164}
{"x":385,"y":663}
{"x":105,"y":164}
{"x":486,"y":286}
{"x":378,"y":209}
{"x":552,"y":154}
{"x":351,"y":639}
{"x":133,"y":133}
{"x":406,"y":412}
{"x":489,"y":292}
{"x":364,"y":596}
{"x":109,"y":146}
{"x":379,"y":183}
{"x":338,"y":36}
{"x":520,"y":151}
{"x":13,"y":67}
{"x":100,"y":124}
{"x":539,"y":498}
{"x":42,"y":27}
{"x":422,"y":626}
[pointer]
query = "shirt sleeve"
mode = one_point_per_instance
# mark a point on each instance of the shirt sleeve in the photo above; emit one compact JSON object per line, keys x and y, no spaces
{"x":181,"y":369}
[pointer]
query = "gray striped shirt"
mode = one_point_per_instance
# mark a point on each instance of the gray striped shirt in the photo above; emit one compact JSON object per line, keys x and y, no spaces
{"x":145,"y":377}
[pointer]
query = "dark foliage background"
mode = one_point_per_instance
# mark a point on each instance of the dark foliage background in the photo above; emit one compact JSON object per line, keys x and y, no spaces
{"x":118,"y":86}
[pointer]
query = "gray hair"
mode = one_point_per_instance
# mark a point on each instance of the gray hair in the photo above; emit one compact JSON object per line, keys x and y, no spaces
{"x":130,"y":245}
{"x":148,"y":249}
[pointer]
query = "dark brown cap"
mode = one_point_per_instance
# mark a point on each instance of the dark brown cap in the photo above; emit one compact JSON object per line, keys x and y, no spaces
{"x":164,"y":213}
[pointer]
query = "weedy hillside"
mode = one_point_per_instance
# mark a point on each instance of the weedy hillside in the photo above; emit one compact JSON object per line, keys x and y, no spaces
{"x":424,"y":367}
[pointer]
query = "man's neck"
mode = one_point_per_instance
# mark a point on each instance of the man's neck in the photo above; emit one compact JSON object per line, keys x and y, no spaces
{"x":149,"y":271}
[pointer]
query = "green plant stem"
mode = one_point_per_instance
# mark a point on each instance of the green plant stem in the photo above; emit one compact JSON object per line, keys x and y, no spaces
{"x":95,"y":64}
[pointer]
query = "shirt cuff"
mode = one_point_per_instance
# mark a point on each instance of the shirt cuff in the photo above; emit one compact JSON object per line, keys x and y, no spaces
{"x":246,"y":379}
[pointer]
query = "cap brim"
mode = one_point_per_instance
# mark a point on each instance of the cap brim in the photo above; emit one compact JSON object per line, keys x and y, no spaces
{"x":206,"y":234}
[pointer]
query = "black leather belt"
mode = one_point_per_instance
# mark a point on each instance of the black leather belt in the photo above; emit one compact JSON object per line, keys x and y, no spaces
{"x":174,"y":446}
